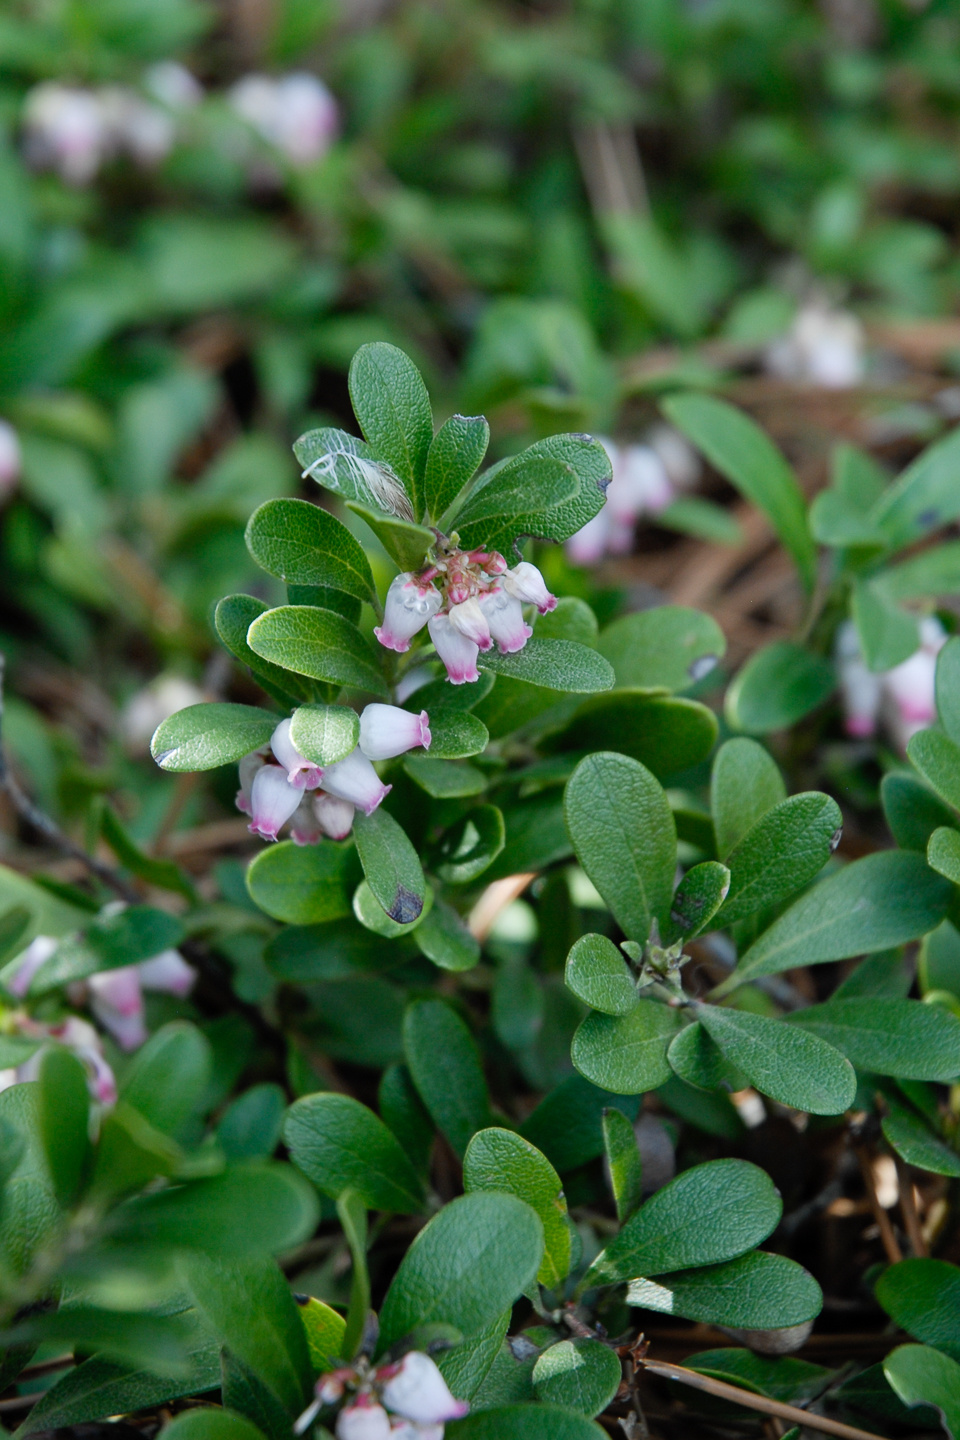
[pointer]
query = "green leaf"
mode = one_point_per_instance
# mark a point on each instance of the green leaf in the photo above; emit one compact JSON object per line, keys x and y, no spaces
{"x":555,"y":664}
{"x":948,"y":687}
{"x":598,"y":973}
{"x":445,"y":939}
{"x":586,"y":461}
{"x":795,"y":1382}
{"x":627,"y":1053}
{"x":912,"y":811}
{"x":789,"y":1065}
{"x":943,"y":853}
{"x":888,"y":635}
{"x":872,"y":904}
{"x":249,"y":1308}
{"x":745,"y":784}
{"x":621,"y":826}
{"x":97,"y":1388}
{"x":741,"y":451}
{"x":914,"y":1141}
{"x":583,"y":1375}
{"x":304,"y":545}
{"x":470,"y":845}
{"x":701,"y":518}
{"x":889,"y":1037}
{"x":464,"y":1268}
{"x":923,"y":498}
{"x":669,"y":647}
{"x":623,"y":1162}
{"x":933,"y":572}
{"x":406,"y":1115}
{"x":466,"y":1366}
{"x":920,"y":1375}
{"x":339,"y":1144}
{"x":391,"y":865}
{"x":755,"y":1292}
{"x":512,"y":499}
{"x":937,"y":757}
{"x":319,"y":643}
{"x":666,"y":734}
{"x":324,"y":1330}
{"x":118,"y":1335}
{"x":922,"y":1296}
{"x":249,"y":1128}
{"x":233,"y":617}
{"x":445,"y":779}
{"x":668,"y":1231}
{"x":698,"y":1061}
{"x":325,"y":733}
{"x":455,"y":454}
{"x":782,"y":852}
{"x":210,"y":1423}
{"x":454,"y":734}
{"x":301,"y":884}
{"x":698,"y":897}
{"x":778,"y":686}
{"x":567,"y":1124}
{"x":445,"y":1065}
{"x":243,"y":1391}
{"x":162,"y":873}
{"x":524,"y":1422}
{"x":349,"y":468}
{"x":201,"y":737}
{"x":167,"y":1079}
{"x":353,"y":1218}
{"x":391,"y":403}
{"x":502,"y":1160}
{"x":372,"y":916}
{"x":64,"y":1116}
{"x":405,"y":541}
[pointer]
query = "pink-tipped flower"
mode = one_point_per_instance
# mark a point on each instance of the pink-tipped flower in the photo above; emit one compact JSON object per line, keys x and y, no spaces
{"x":640,"y":484}
{"x":11,"y":458}
{"x":305,"y":828}
{"x":386,"y":731}
{"x":589,"y":545}
{"x":248,"y":769}
{"x":36,"y":954}
{"x":363,"y":1419}
{"x":272,"y":801}
{"x":471,"y":622}
{"x":408,"y":1430}
{"x":458,"y":653}
{"x":65,"y":131}
{"x":504,"y":615}
{"x":407,"y":608}
{"x":526,"y":582}
{"x":415,"y":1390}
{"x":167,"y":973}
{"x":334,"y":816}
{"x":354,"y":779}
{"x":301,"y":772}
{"x":80,"y":1037}
{"x":117,"y":1003}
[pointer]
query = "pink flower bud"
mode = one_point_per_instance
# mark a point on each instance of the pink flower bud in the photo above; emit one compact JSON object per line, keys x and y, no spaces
{"x":334,"y":816}
{"x":302,"y":774}
{"x":364,"y":1419}
{"x":117,"y":1003}
{"x":272,"y":801}
{"x":471,"y":622}
{"x":504,"y":615}
{"x":248,"y":768}
{"x":386,"y":730}
{"x":408,"y":607}
{"x":36,"y":954}
{"x":415,"y":1390}
{"x":10,"y":458}
{"x":494,"y":564}
{"x":909,"y":691}
{"x":526,"y":582}
{"x":167,"y":973}
{"x":458,"y":653}
{"x":354,"y":779}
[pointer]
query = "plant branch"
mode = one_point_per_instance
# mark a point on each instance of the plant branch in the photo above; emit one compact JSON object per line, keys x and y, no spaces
{"x":751,"y":1401}
{"x":42,"y":822}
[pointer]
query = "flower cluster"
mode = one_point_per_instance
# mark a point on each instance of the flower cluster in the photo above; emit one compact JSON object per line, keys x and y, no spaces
{"x":74,"y":130}
{"x":115,"y":997}
{"x":468,"y":599}
{"x":404,"y":1400}
{"x":822,"y":347}
{"x":646,"y":479}
{"x":902,"y":699}
{"x":296,"y":113}
{"x":77,"y":1036}
{"x":280,"y":784}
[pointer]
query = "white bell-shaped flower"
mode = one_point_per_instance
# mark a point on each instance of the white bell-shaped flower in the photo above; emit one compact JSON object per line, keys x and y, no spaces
{"x":363,"y":1419}
{"x":272,"y":801}
{"x":503,"y":613}
{"x":29,"y":961}
{"x":354,"y":779}
{"x":415,"y":1390}
{"x":458,"y":653}
{"x":248,"y":768}
{"x":11,"y":458}
{"x":407,"y":608}
{"x":386,"y":731}
{"x":526,"y":582}
{"x":302,"y":773}
{"x":117,"y":1003}
{"x":167,"y":973}
{"x":334,"y":816}
{"x":470,"y":621}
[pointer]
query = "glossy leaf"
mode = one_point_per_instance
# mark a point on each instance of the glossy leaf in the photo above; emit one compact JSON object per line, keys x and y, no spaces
{"x":445,"y":779}
{"x":445,"y":939}
{"x":626,"y":1053}
{"x":582,"y":1374}
{"x":666,"y":734}
{"x":668,"y":647}
{"x":168,"y":1077}
{"x":922,"y":1296}
{"x":790,"y":1065}
{"x":880,"y":901}
{"x":889,"y":1037}
{"x":697,"y":899}
{"x":700,"y":1062}
{"x":406,"y":542}
{"x":516,"y":497}
{"x":580,"y":457}
{"x":624,"y":1165}
{"x":778,"y":686}
{"x":943,"y":853}
{"x":301,"y":884}
{"x":64,"y":1116}
{"x":556,"y":664}
{"x":325,"y":733}
{"x":316,"y":642}
{"x":445,"y":1065}
{"x":465,"y":1267}
{"x":348,"y":467}
{"x":211,"y":1423}
{"x":455,"y":734}
{"x":920,"y":1375}
{"x":303,"y":544}
{"x":455,"y":454}
{"x":201,"y":737}
{"x":597,"y":972}
{"x":782,"y":852}
{"x":622,"y":829}
{"x":339,"y":1144}
{"x":233,"y":617}
{"x":501,"y":1160}
{"x":916,"y":1143}
{"x":390,"y":864}
{"x":668,"y":1231}
{"x":755,"y":1292}
{"x":745,"y":784}
{"x":567,"y":1124}
{"x":391,"y":403}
